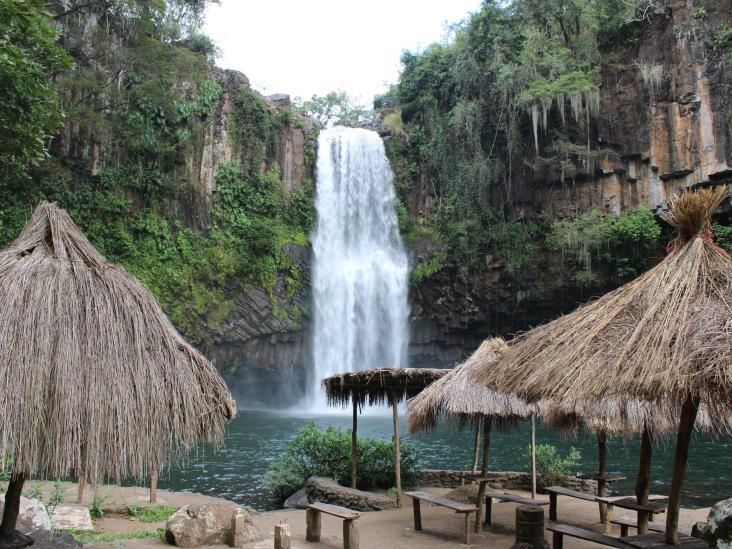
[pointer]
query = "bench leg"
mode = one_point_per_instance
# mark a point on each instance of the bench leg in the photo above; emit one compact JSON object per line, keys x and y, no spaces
{"x":608,"y":517}
{"x":604,"y":518}
{"x":312,"y":521}
{"x":417,"y":514}
{"x":488,"y":510}
{"x":623,"y":530}
{"x":557,"y":540}
{"x":552,"y":506}
{"x":350,"y":534}
{"x":466,"y":538}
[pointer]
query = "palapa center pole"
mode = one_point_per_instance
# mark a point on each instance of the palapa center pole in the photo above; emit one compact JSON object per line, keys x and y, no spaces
{"x":476,"y":446}
{"x":643,"y":481}
{"x":10,"y":538}
{"x":354,"y":443}
{"x":487,"y":426}
{"x":686,"y":426}
{"x":602,"y":476}
{"x":397,"y":455}
{"x":533,"y":456}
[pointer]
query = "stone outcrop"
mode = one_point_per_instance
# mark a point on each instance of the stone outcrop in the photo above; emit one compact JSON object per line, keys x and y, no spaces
{"x":48,"y":539}
{"x":717,"y":530}
{"x":211,"y":524}
{"x":327,"y":490}
{"x":33,"y":515}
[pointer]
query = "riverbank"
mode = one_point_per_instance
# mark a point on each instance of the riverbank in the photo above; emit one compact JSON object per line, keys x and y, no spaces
{"x":382,"y":529}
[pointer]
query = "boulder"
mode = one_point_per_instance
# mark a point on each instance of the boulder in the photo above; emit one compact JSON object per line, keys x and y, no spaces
{"x":47,"y":539}
{"x":717,"y":530}
{"x":298,"y":500}
{"x":279,"y":100}
{"x":211,"y":524}
{"x":33,"y":515}
{"x":327,"y":490}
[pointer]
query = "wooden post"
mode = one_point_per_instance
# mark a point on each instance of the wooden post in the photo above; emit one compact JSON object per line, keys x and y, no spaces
{"x":397,"y":453}
{"x":9,"y":536}
{"x":80,"y":488}
{"x":487,"y":425}
{"x":350,"y":534}
{"x":417,"y":514}
{"x":282,"y":536}
{"x":354,"y":443}
{"x":686,"y":426}
{"x":533,"y":456}
{"x":476,"y":446}
{"x":480,"y":503}
{"x":643,"y":481}
{"x":602,"y":478}
{"x":312,"y":525}
{"x":154,"y":487}
{"x":466,"y":530}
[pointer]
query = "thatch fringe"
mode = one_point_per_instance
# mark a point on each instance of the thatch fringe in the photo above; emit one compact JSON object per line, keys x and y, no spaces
{"x":457,"y":397}
{"x":94,"y":379}
{"x":664,"y":336}
{"x":375,"y":386}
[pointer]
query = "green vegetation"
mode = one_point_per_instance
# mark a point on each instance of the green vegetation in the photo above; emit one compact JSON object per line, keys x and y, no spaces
{"x":551,"y":467}
{"x":98,"y":508}
{"x":336,"y":108}
{"x":85,"y":537}
{"x":328,"y":453}
{"x":151,"y":513}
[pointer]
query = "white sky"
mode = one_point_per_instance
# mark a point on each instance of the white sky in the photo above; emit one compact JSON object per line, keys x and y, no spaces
{"x":306,"y":47}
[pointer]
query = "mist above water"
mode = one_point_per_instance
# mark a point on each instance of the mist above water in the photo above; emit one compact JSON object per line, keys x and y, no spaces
{"x":360,"y":268}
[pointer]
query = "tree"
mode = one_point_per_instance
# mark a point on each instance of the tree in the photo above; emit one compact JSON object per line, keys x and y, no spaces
{"x":29,"y":107}
{"x":336,"y":108}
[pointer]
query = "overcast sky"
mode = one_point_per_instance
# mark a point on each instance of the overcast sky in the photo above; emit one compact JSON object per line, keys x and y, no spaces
{"x":306,"y":47}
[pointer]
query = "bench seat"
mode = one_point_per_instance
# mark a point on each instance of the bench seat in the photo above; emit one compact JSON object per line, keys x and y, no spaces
{"x":625,"y":523}
{"x":512,"y":498}
{"x":349,"y":516}
{"x":559,"y":530}
{"x":555,"y":491}
{"x":460,"y":508}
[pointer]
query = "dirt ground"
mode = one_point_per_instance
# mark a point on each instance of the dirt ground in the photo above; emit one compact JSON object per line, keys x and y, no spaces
{"x":382,"y":529}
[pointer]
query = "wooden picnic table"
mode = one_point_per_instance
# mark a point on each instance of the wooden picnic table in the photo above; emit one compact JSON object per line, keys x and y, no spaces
{"x":654,"y":506}
{"x":657,"y":540}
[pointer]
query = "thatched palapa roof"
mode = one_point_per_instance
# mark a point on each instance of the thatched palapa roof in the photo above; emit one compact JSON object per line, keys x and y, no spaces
{"x":94,"y":378}
{"x":458,"y":397}
{"x":375,"y":386}
{"x":665,"y":335}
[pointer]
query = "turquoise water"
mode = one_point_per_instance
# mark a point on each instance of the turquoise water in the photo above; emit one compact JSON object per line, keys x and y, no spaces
{"x":256,"y":438}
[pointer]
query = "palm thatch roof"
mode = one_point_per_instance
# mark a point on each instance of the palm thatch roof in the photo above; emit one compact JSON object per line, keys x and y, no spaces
{"x":375,"y":386}
{"x":458,"y":397}
{"x":665,"y":335}
{"x":94,"y":378}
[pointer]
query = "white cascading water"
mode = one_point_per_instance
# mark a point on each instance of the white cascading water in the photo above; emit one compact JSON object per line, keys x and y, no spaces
{"x":360,"y":269}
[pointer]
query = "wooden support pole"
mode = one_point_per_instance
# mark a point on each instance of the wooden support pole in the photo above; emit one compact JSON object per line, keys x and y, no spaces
{"x":80,"y":488}
{"x":686,"y":426}
{"x":350,"y":534}
{"x":10,"y":538}
{"x":397,"y":453}
{"x":354,"y":443}
{"x":643,"y":481}
{"x":533,"y":456}
{"x":476,"y":446}
{"x":601,"y":478}
{"x":154,"y":487}
{"x":416,"y":509}
{"x":487,"y":426}
{"x":312,"y":525}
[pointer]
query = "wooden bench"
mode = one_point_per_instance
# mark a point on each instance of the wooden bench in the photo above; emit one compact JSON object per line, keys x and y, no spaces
{"x":654,"y":506}
{"x":502,"y":496}
{"x":625,"y":523}
{"x":456,"y":506}
{"x":559,"y":530}
{"x":350,"y":532}
{"x":555,"y":491}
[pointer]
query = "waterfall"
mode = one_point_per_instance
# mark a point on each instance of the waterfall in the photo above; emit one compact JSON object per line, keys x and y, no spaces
{"x":360,"y":269}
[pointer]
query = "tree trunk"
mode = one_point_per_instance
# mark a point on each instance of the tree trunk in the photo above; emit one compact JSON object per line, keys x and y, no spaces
{"x":476,"y":446}
{"x":397,"y":454}
{"x":354,"y":444}
{"x":487,"y":425}
{"x":643,"y":481}
{"x":686,"y":426}
{"x":602,"y":476}
{"x":533,"y":456}
{"x":10,"y":538}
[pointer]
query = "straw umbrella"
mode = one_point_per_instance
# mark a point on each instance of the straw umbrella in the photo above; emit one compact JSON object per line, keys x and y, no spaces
{"x":457,"y":397}
{"x":664,"y":336}
{"x":375,"y":387}
{"x":94,"y":379}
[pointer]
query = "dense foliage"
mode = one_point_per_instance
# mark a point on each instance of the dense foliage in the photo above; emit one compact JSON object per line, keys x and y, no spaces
{"x":328,"y":454}
{"x":335,"y":108}
{"x":551,"y":466}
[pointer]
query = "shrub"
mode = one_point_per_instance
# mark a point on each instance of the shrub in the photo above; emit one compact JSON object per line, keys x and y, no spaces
{"x":551,"y":467}
{"x":327,"y":453}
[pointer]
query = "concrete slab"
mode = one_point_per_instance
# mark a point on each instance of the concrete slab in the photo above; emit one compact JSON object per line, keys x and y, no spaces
{"x":67,"y":516}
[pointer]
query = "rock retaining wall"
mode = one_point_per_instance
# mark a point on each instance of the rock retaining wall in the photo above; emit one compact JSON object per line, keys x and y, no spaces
{"x":499,"y":480}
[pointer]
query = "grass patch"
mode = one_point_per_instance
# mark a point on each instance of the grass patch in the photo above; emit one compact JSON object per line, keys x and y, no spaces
{"x":85,"y":537}
{"x":153,"y":513}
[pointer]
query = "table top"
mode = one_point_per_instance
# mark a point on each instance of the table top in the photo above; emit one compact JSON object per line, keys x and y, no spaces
{"x":657,"y":541}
